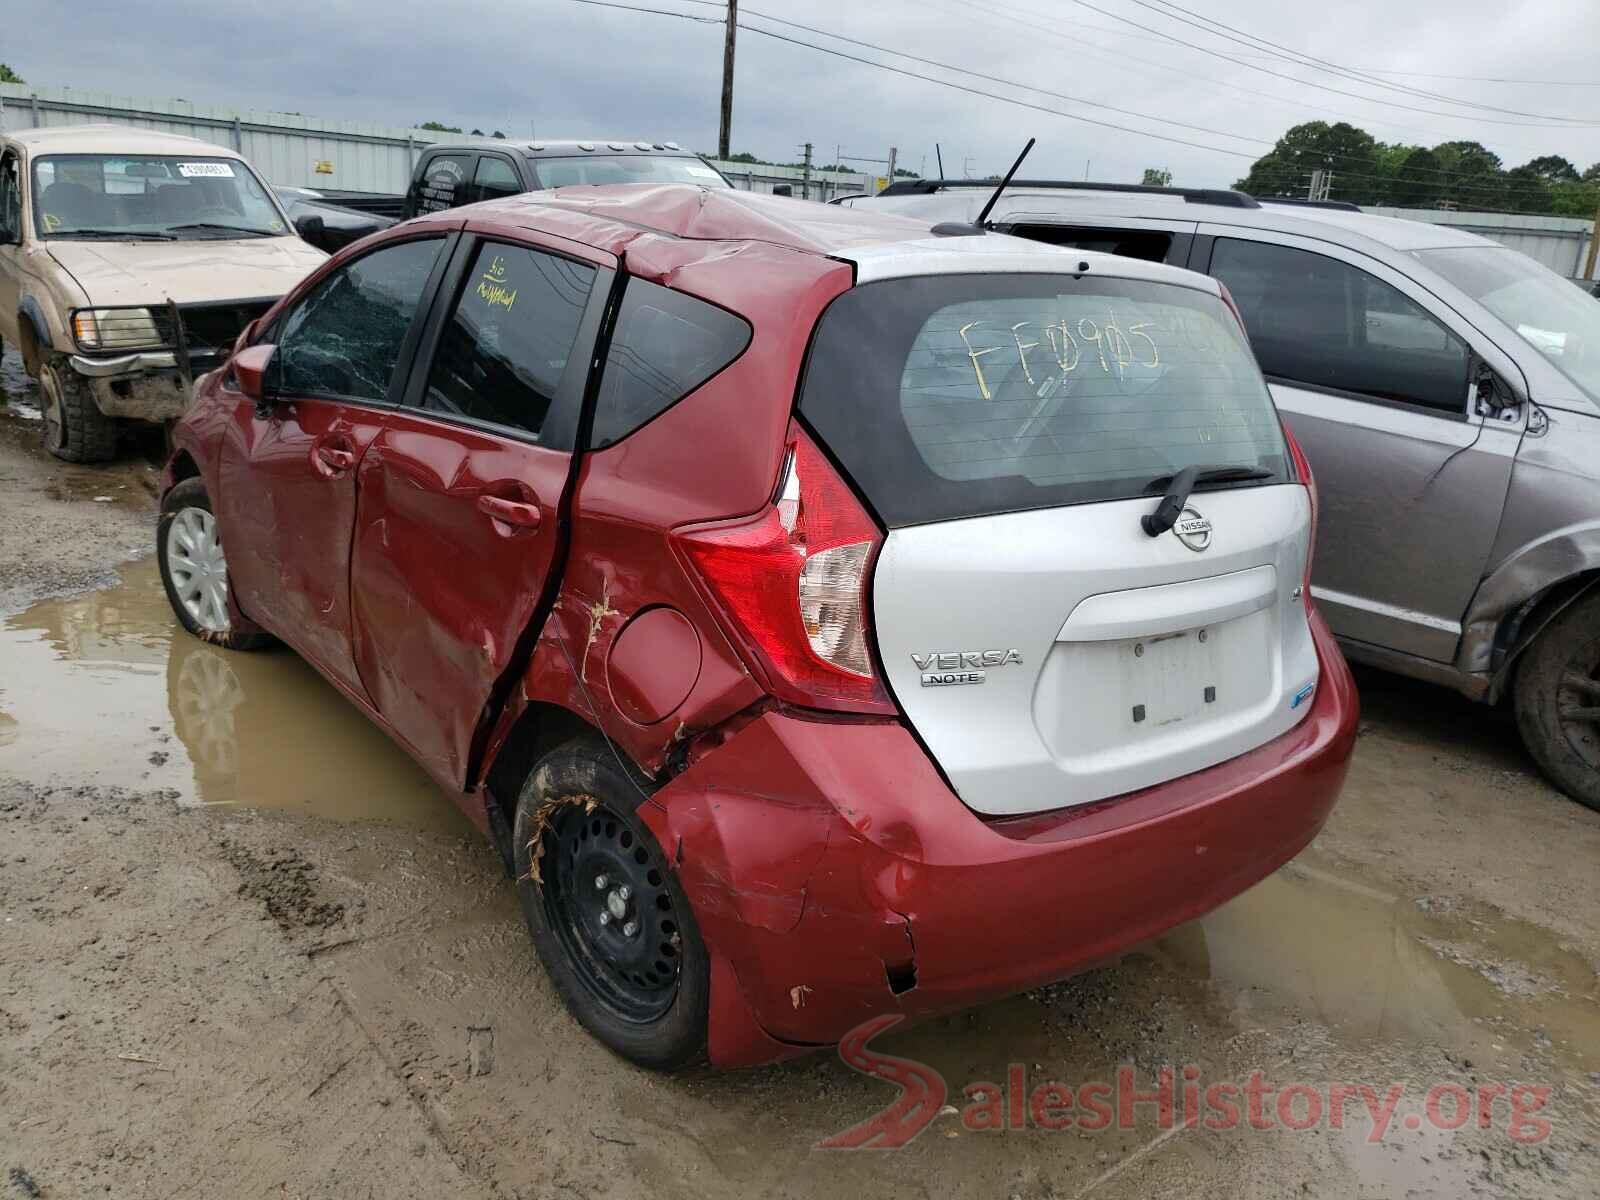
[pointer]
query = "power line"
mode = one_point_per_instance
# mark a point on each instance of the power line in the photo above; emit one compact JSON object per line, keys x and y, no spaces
{"x":660,"y":12}
{"x":1007,"y":82}
{"x":1311,"y":60}
{"x":1320,"y":86}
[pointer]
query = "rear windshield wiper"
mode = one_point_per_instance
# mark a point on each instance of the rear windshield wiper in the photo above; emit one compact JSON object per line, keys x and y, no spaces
{"x":1180,"y":485}
{"x":213,"y":225}
{"x":120,"y":235}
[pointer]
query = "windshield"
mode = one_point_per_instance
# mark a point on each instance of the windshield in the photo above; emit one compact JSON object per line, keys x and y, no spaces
{"x":625,"y":168}
{"x":1558,"y":320}
{"x":950,"y":396}
{"x":105,"y":195}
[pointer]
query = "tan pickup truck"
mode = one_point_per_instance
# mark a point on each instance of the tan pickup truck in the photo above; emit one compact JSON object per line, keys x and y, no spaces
{"x":130,"y":261}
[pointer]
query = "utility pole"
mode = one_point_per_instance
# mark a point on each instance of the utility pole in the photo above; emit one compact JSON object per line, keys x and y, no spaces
{"x":805,"y":182}
{"x":1594,"y":245}
{"x":727,"y":80}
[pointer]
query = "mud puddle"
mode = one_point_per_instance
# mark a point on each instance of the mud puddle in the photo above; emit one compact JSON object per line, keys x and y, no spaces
{"x":19,"y":396}
{"x":105,"y":688}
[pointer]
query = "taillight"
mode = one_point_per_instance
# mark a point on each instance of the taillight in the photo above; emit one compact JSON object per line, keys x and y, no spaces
{"x":1302,"y":470}
{"x":791,"y":585}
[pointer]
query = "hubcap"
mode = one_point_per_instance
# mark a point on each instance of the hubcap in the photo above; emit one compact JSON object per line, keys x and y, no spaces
{"x":197,"y":568}
{"x":1578,"y":704}
{"x":606,"y":897}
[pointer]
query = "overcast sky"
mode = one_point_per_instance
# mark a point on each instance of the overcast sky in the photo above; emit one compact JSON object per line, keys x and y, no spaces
{"x":570,"y":69}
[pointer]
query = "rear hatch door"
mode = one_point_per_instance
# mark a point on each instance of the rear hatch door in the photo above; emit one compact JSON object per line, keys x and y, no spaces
{"x":1010,"y":431}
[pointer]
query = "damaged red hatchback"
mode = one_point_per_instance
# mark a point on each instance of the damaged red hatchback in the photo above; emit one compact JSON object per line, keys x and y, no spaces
{"x":823,"y":618}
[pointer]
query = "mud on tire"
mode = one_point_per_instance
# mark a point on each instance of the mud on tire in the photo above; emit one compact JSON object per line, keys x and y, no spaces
{"x":241,"y":634}
{"x":75,"y":429}
{"x":608,"y":918}
{"x":1557,"y":687}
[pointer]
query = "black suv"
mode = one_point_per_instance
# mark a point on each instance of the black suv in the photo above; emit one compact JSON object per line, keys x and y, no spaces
{"x":454,"y":173}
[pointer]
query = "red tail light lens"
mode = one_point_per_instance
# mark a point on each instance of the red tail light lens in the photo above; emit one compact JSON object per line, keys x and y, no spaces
{"x":1302,"y":470}
{"x":791,"y":585}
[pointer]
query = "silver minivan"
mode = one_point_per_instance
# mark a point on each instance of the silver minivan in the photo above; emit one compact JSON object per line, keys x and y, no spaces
{"x":1447,"y":392}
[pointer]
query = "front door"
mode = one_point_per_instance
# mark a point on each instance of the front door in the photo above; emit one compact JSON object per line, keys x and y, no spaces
{"x":1375,"y":386}
{"x":460,"y":494}
{"x":10,"y":244}
{"x":287,"y":500}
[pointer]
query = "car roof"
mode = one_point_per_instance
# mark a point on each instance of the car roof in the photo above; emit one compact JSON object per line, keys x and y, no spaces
{"x":1080,"y":205}
{"x":106,"y":138}
{"x":881,"y":245}
{"x":569,"y":147}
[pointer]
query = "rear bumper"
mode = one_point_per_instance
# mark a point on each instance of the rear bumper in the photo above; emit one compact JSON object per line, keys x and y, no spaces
{"x":836,"y":877}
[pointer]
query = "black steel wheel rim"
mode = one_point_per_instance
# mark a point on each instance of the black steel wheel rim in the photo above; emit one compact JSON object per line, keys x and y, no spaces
{"x":1578,"y":703}
{"x":606,"y":898}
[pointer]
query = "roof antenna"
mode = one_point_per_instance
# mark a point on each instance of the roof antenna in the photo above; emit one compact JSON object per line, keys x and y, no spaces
{"x":960,"y":228}
{"x":939,"y":158}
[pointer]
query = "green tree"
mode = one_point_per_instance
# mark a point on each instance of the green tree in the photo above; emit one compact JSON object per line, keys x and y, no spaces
{"x":1552,"y":168}
{"x":435,"y":127}
{"x":498,"y":134}
{"x":1285,"y":170}
{"x":7,"y":75}
{"x":1418,"y":183}
{"x":1156,"y":177}
{"x":1527,"y":191}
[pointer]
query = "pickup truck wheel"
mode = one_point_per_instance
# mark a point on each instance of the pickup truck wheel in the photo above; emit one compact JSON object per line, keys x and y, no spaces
{"x":194,"y":570}
{"x":609,"y":920}
{"x":75,"y":429}
{"x":1557,"y":700}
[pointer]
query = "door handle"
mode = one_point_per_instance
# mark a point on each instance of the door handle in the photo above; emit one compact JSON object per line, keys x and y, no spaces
{"x":510,"y":512}
{"x":335,"y":458}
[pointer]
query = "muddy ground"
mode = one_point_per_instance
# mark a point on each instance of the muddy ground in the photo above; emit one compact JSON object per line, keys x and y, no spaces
{"x":247,"y":950}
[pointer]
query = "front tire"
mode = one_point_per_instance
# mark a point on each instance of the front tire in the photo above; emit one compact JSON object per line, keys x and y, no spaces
{"x":1557,"y":699}
{"x":75,"y":430}
{"x":608,"y":918}
{"x":194,"y":570}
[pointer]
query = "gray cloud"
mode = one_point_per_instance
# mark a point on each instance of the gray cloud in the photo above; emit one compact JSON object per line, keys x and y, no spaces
{"x":572,"y":70}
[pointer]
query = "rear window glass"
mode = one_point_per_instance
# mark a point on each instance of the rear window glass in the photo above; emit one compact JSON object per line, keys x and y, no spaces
{"x":956,"y":396}
{"x":665,"y":345}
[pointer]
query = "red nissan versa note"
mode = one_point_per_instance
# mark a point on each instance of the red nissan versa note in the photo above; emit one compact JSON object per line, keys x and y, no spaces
{"x":824,"y":618}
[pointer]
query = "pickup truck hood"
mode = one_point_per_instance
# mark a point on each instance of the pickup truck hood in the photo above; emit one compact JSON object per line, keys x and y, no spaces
{"x":190,"y":272}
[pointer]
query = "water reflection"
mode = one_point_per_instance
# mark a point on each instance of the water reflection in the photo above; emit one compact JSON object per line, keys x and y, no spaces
{"x":105,"y":688}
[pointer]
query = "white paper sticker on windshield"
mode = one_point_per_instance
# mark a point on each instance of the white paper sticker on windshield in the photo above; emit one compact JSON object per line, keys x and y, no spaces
{"x":209,"y":170}
{"x":699,"y":171}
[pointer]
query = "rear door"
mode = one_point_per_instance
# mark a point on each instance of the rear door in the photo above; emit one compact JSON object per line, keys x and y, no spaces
{"x":287,"y":501}
{"x":1010,"y":431}
{"x":461,"y":492}
{"x":1375,"y":385}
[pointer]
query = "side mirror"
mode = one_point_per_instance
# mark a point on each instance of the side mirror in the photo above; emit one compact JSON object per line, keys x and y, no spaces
{"x":249,"y":368}
{"x":310,"y":227}
{"x":782,"y":189}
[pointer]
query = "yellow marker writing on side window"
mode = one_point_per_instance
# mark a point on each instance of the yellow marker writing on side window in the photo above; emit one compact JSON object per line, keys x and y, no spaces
{"x":492,"y":289}
{"x":51,"y":222}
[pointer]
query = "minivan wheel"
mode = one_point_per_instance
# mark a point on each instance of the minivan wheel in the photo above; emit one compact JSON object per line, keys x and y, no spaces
{"x":75,"y":430}
{"x":1557,"y":699}
{"x":194,"y":570}
{"x":609,"y":920}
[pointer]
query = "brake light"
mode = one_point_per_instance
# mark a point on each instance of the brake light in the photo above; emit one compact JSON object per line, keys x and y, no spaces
{"x":791,"y":586}
{"x":1302,"y":470}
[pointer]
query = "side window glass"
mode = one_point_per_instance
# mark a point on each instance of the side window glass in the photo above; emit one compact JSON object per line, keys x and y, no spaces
{"x":1315,"y":320}
{"x":444,"y":182}
{"x":503,"y":352}
{"x":496,"y":177}
{"x":344,"y":338}
{"x":1152,"y":245}
{"x":10,"y":199}
{"x":665,"y":345}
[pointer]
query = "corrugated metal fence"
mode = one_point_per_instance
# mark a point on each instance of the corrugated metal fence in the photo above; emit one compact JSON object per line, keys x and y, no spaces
{"x":1560,"y":243}
{"x":295,"y":150}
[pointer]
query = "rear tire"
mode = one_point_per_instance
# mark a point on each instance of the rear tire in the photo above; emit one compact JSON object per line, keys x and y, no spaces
{"x":1558,"y":684}
{"x":608,"y":918}
{"x":194,"y":570}
{"x":75,"y":430}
